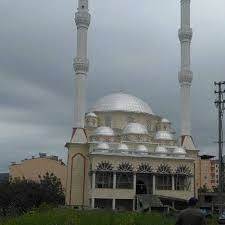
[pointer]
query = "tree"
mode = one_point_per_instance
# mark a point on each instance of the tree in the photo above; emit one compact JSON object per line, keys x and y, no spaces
{"x":52,"y":188}
{"x":19,"y":195}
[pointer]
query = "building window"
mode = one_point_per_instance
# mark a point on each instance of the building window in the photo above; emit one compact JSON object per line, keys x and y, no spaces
{"x":164,"y":178}
{"x":182,"y":178}
{"x":164,"y":182}
{"x":181,"y":182}
{"x":124,"y":180}
{"x":144,"y":168}
{"x":104,"y":175}
{"x":103,"y":203}
{"x":108,"y":121}
{"x":104,"y":179}
{"x":124,"y":176}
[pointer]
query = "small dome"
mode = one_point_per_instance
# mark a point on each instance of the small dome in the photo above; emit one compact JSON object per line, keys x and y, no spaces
{"x":179,"y":151}
{"x":164,"y":135}
{"x":161,"y":150}
{"x":164,"y":120}
{"x":123,"y":147}
{"x":142,"y":148}
{"x":104,"y":131}
{"x":121,"y":102}
{"x":91,"y":114}
{"x":103,"y":146}
{"x":135,"y":128}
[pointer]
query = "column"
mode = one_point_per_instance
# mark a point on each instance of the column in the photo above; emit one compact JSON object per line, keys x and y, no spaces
{"x":92,"y":188}
{"x":92,"y":203}
{"x":114,"y":180}
{"x":134,"y":182}
{"x":134,"y":201}
{"x":93,"y":180}
{"x":114,"y":204}
{"x":153,"y":184}
{"x":173,"y":183}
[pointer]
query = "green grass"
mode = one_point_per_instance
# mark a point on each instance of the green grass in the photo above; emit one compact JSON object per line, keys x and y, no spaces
{"x":72,"y":217}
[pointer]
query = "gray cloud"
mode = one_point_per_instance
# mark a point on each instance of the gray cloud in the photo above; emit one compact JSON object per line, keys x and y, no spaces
{"x":133,"y":46}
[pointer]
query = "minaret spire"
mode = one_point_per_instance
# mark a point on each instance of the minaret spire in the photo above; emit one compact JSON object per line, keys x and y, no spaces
{"x":81,"y":63}
{"x":185,"y":74}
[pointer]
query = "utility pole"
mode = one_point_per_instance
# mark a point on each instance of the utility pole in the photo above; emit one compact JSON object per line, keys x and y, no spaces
{"x":220,"y":104}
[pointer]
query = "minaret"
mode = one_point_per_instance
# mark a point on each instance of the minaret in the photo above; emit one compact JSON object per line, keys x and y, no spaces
{"x":77,"y":176}
{"x":81,"y":66}
{"x":185,"y":74}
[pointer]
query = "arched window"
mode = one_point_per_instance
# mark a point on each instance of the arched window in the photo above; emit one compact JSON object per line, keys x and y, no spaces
{"x":164,"y":177}
{"x":125,"y":167}
{"x":145,"y":168}
{"x":104,"y":175}
{"x":164,"y":169}
{"x":124,"y":176}
{"x":182,"y":178}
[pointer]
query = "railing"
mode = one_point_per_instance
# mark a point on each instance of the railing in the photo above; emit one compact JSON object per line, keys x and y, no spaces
{"x":134,"y":153}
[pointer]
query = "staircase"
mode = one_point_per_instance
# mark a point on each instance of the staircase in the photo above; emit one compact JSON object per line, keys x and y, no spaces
{"x":145,"y":202}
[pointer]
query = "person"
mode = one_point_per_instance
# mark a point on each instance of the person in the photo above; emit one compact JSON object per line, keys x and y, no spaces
{"x":191,"y":215}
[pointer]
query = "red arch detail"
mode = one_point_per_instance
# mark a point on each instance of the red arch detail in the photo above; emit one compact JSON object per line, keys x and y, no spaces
{"x":73,"y":157}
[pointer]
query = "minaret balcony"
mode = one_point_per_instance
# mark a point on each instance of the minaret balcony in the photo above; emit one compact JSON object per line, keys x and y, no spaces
{"x":82,"y":19}
{"x":81,"y":65}
{"x":185,"y":34}
{"x":185,"y":77}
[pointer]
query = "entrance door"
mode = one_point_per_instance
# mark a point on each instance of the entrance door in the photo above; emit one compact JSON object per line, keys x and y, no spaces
{"x":141,"y":188}
{"x":144,"y":184}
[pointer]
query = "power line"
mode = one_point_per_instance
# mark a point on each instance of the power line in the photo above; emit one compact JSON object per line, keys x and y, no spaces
{"x":220,"y":104}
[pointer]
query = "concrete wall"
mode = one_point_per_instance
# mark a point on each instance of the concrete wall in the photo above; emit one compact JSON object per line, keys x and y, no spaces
{"x":31,"y":169}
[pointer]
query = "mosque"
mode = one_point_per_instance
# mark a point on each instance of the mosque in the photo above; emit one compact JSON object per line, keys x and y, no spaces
{"x":121,"y":154}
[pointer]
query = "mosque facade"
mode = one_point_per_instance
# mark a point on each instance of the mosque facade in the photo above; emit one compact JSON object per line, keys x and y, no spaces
{"x":121,"y":154}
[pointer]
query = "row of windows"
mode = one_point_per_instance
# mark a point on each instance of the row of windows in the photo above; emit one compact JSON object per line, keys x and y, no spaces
{"x":125,"y":181}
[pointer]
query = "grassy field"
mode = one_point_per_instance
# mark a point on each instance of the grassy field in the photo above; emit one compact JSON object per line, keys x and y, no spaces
{"x":72,"y":217}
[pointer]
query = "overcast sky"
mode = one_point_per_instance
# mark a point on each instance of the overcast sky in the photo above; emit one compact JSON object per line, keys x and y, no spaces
{"x":133,"y":46}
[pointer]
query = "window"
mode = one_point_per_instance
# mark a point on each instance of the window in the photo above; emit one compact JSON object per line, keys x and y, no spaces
{"x":164,"y":178}
{"x":124,"y":180}
{"x":164,"y":182}
{"x":108,"y":121}
{"x":181,"y":182}
{"x":104,"y":179}
{"x":124,"y":176}
{"x":182,"y":178}
{"x":149,"y":126}
{"x":104,"y":175}
{"x":144,"y":168}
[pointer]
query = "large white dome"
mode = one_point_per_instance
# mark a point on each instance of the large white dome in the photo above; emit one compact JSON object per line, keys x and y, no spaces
{"x":121,"y":102}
